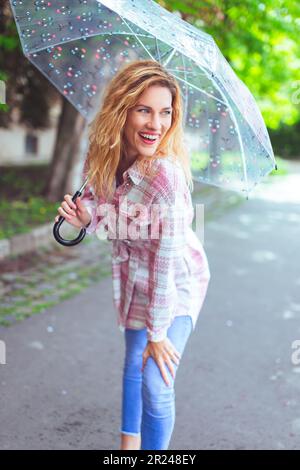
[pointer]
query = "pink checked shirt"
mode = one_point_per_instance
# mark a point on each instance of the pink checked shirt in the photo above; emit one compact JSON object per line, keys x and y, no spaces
{"x":160,"y":274}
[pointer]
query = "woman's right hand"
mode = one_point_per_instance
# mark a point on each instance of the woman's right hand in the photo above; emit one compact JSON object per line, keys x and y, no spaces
{"x":163,"y":352}
{"x":75,"y":214}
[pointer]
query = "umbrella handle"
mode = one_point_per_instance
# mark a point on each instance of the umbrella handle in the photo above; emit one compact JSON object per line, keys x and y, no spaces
{"x":57,"y":226}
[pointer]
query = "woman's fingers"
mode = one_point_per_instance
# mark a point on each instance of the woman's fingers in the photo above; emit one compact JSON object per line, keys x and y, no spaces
{"x":168,"y":361}
{"x":164,"y":356}
{"x":163,"y":371}
{"x":84,"y":214}
{"x":68,"y":199}
{"x":172,"y":349}
{"x":81,"y":207}
{"x":160,"y":364}
{"x":175,"y":355}
{"x":68,"y":209}
{"x":64,"y":213}
{"x":171,"y":367}
{"x":175,"y":359}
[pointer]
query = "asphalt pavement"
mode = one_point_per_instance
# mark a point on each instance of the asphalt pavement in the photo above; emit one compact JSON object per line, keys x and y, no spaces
{"x":237,"y":386}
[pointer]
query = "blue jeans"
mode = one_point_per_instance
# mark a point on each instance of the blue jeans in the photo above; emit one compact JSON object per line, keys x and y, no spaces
{"x":148,"y":404}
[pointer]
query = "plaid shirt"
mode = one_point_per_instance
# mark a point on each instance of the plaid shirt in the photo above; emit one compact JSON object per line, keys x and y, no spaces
{"x":159,"y":267}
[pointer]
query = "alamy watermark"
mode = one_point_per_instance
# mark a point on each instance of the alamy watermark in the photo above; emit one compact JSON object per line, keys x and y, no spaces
{"x":2,"y":92}
{"x":137,"y":221}
{"x":295,"y":357}
{"x":2,"y":352}
{"x":296,"y":94}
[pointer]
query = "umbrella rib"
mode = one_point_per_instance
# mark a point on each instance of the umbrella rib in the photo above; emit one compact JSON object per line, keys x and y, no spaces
{"x":157,"y":49}
{"x":242,"y":151}
{"x":151,"y":37}
{"x":84,"y":38}
{"x":186,"y":89}
{"x":186,"y":72}
{"x":236,"y":124}
{"x":201,"y":91}
{"x":239,"y":135}
{"x":169,"y":58}
{"x":138,"y":38}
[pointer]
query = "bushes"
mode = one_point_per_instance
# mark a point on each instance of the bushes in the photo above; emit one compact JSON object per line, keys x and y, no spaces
{"x":22,"y":204}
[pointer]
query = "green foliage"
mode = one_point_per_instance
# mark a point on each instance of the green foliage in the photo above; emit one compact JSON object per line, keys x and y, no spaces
{"x":26,"y":88}
{"x":8,"y":43}
{"x":260,"y":39}
{"x":20,"y":217}
{"x":23,"y":181}
{"x":22,"y":205}
{"x":286,"y":140}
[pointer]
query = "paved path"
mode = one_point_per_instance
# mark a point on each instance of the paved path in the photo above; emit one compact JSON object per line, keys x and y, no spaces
{"x":236,"y":387}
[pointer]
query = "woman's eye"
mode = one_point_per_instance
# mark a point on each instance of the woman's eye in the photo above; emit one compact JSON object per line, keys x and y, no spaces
{"x":144,"y":109}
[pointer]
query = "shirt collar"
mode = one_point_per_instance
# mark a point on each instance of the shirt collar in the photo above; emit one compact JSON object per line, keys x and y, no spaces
{"x":135,"y":174}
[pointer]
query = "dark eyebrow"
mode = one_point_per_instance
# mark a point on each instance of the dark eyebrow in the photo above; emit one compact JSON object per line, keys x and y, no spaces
{"x":149,"y":107}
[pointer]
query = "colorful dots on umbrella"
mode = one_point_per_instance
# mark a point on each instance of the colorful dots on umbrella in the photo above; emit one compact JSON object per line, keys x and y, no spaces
{"x":81,"y":45}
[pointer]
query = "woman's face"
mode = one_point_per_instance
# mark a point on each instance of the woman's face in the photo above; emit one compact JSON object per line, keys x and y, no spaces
{"x":151,"y":115}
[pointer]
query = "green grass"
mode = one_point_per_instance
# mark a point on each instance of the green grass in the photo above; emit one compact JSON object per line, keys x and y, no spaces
{"x":21,"y":216}
{"x":35,"y":302}
{"x":23,"y":205}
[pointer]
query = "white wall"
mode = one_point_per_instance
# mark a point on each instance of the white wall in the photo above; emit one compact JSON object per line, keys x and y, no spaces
{"x":13,"y":145}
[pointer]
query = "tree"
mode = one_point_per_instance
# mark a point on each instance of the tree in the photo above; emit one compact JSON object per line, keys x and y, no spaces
{"x":33,"y":95}
{"x":27,"y":90}
{"x":66,"y":152}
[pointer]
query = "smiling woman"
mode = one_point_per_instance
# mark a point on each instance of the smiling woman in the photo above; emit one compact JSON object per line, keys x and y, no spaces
{"x":160,"y":276}
{"x":146,"y":125}
{"x":147,"y":101}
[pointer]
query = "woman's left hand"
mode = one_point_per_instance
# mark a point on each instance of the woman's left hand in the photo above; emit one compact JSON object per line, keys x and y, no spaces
{"x":162,"y":352}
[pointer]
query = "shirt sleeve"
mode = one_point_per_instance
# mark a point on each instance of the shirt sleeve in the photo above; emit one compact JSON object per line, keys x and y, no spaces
{"x":168,"y":245}
{"x":92,"y":203}
{"x":102,"y":213}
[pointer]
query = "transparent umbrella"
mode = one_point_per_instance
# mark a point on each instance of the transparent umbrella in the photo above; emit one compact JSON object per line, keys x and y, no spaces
{"x":80,"y":45}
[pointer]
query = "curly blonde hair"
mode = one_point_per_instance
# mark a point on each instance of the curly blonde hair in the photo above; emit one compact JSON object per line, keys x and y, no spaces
{"x":106,"y":130}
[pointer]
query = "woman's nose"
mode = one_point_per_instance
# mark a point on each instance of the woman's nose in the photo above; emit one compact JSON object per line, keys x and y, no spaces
{"x":155,"y":123}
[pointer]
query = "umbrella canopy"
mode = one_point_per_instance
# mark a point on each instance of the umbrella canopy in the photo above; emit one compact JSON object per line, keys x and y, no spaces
{"x":80,"y":45}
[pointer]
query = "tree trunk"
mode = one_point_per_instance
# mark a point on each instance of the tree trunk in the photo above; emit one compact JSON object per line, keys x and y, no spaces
{"x":67,"y":152}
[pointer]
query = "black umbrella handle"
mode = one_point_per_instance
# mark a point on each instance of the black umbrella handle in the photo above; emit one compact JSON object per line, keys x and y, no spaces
{"x":58,"y":224}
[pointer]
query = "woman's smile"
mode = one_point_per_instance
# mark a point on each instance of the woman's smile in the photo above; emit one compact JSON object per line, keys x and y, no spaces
{"x":148,"y":121}
{"x":148,"y":139}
